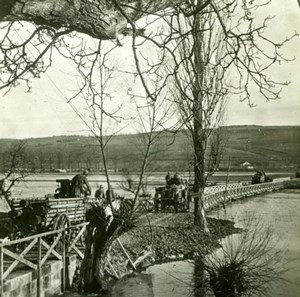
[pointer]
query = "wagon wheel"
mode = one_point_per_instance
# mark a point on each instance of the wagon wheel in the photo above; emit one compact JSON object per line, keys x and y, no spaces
{"x":62,"y":221}
{"x":149,"y":205}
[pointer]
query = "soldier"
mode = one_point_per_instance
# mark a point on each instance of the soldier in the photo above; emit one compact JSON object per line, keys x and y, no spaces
{"x":80,"y":185}
{"x":100,"y":195}
{"x":176,"y":179}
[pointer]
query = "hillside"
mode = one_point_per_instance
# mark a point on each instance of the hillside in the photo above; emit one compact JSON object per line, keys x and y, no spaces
{"x":276,"y":148}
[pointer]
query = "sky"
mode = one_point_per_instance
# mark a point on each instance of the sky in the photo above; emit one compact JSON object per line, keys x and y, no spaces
{"x":44,"y":112}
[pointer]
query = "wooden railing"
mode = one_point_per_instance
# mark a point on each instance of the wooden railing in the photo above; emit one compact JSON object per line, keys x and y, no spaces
{"x":219,"y":188}
{"x":215,"y":199}
{"x":33,"y":251}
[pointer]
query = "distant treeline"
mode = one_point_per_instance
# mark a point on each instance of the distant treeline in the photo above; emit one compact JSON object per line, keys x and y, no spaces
{"x":244,"y":147}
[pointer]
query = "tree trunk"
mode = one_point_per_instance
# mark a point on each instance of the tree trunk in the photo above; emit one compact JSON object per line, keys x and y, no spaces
{"x":199,"y":174}
{"x":199,"y":137}
{"x":97,"y":242}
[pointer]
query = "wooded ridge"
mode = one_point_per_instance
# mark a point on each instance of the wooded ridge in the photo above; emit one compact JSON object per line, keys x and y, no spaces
{"x":268,"y":147}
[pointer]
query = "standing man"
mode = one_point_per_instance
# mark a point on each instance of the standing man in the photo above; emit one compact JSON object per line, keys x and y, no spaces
{"x":80,"y":185}
{"x":100,"y":195}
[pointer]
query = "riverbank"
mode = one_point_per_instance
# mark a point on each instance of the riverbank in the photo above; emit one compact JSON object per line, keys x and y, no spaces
{"x":165,"y":238}
{"x":162,"y":238}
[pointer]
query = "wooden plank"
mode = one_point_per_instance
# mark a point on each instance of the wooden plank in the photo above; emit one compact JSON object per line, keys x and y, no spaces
{"x":7,"y":243}
{"x":65,"y":200}
{"x":39,"y":268}
{"x":51,"y":249}
{"x":71,"y":211}
{"x":20,"y":259}
{"x":23,"y":254}
{"x":69,"y":205}
{"x":125,"y":253}
{"x":67,"y":212}
{"x":76,"y":238}
{"x":113,"y":269}
{"x":1,"y":270}
{"x":63,"y":280}
{"x":70,"y":216}
{"x":47,"y":246}
{"x":80,"y":254}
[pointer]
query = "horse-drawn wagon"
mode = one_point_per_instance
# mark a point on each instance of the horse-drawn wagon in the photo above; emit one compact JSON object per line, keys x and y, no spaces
{"x":260,"y":177}
{"x":170,"y":195}
{"x":52,"y":212}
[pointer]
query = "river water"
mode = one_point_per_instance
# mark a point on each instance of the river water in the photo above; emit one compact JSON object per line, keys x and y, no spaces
{"x":38,"y":185}
{"x":277,"y":210}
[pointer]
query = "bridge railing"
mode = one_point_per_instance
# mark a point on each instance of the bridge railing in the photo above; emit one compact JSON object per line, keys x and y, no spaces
{"x":33,"y":251}
{"x":215,"y":189}
{"x":215,"y":199}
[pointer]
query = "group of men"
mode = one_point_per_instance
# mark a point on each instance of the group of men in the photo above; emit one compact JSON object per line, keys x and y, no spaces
{"x":173,"y":180}
{"x":81,"y":187}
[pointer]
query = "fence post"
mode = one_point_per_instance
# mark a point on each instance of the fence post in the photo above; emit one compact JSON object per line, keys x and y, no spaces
{"x":1,"y":270}
{"x":63,"y":279}
{"x":39,"y":268}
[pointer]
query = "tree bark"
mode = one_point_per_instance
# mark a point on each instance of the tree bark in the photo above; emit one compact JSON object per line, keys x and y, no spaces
{"x":97,"y":18}
{"x":199,"y":139}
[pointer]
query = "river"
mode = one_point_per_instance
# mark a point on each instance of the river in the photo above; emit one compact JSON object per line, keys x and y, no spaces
{"x":281,"y":212}
{"x":38,"y":185}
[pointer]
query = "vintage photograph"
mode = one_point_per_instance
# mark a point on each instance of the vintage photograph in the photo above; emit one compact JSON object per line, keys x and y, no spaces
{"x":149,"y":148}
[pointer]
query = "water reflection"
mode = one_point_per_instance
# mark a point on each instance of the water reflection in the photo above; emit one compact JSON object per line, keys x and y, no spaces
{"x":280,"y":211}
{"x":164,"y":280}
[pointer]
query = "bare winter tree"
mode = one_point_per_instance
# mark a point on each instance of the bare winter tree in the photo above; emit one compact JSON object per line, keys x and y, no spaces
{"x":199,"y":92}
{"x":213,"y":49}
{"x":95,"y":104}
{"x":154,"y":118}
{"x":99,"y":106}
{"x":14,"y":168}
{"x":223,"y":37}
{"x":26,"y":50}
{"x":95,"y":101}
{"x":32,"y":30}
{"x":240,"y":47}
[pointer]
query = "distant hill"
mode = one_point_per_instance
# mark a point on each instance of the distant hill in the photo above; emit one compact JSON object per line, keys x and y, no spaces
{"x":271,"y":148}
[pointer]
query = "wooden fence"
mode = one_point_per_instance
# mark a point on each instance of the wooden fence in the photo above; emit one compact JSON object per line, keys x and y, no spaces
{"x":215,"y":199}
{"x":33,"y":251}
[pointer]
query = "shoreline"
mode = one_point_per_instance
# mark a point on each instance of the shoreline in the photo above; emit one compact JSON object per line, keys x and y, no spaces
{"x":173,"y":239}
